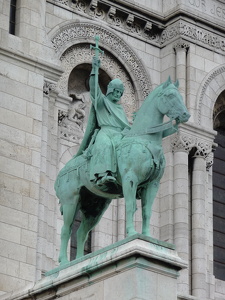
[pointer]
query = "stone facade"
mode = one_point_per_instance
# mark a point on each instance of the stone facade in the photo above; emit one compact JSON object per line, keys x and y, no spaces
{"x":44,"y":107}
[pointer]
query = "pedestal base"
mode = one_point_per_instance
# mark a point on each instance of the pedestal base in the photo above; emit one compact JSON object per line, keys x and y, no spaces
{"x":135,"y":268}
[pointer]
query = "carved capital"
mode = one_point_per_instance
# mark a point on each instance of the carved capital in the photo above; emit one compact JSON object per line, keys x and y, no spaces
{"x":202,"y":149}
{"x":181,"y":45}
{"x":183,"y":142}
{"x":49,"y":87}
{"x":205,"y":150}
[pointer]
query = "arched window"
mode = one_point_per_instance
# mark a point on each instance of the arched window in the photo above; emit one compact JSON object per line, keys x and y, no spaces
{"x":219,"y":189}
{"x":12,"y":17}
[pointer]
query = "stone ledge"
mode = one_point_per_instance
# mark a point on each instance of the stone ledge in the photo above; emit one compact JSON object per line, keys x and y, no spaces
{"x":123,"y":262}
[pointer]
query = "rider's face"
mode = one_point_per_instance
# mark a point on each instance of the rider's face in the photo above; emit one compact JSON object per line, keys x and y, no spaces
{"x":116,"y":95}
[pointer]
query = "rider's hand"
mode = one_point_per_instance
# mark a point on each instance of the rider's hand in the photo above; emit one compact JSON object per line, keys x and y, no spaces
{"x":96,"y":62}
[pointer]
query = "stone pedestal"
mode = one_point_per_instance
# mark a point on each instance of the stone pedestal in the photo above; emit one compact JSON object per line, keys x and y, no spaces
{"x":135,"y":268}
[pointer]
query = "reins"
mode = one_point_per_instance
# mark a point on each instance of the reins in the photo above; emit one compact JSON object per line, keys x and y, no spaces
{"x":154,"y":129}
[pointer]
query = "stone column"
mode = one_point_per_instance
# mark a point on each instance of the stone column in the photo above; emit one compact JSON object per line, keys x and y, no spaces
{"x":181,"y":147}
{"x":181,"y":48}
{"x":199,"y":207}
{"x":46,"y":225}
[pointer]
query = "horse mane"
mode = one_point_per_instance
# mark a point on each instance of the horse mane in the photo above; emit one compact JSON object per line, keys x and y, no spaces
{"x":154,"y":94}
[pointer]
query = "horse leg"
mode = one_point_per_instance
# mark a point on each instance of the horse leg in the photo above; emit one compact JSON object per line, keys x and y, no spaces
{"x":129,"y":184}
{"x":69,"y":212}
{"x":89,"y":221}
{"x":147,"y":199}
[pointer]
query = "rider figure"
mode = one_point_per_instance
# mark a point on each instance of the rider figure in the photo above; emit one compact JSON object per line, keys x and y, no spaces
{"x":111,"y":121}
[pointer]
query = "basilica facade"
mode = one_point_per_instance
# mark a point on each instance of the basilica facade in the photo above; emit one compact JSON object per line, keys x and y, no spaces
{"x":45,"y":63}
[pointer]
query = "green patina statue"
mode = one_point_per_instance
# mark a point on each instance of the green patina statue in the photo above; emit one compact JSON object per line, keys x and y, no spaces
{"x":115,"y":159}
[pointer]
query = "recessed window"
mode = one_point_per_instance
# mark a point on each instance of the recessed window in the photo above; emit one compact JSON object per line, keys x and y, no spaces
{"x":219,"y":189}
{"x":12,"y":17}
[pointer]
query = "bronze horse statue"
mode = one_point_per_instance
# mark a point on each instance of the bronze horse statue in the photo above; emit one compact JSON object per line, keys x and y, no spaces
{"x":140,"y":166}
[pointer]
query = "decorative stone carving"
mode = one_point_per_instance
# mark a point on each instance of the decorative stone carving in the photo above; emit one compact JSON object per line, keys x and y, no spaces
{"x":77,"y":31}
{"x":181,"y":44}
{"x":93,"y":4}
{"x":186,"y":30}
{"x":207,"y":82}
{"x":202,"y":149}
{"x":79,"y":54}
{"x":71,"y":123}
{"x":183,"y":143}
{"x":48,"y":87}
{"x":109,"y":14}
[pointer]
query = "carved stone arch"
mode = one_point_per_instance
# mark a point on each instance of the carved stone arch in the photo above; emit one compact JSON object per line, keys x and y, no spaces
{"x":76,"y":33}
{"x":211,"y":88}
{"x":80,"y":56}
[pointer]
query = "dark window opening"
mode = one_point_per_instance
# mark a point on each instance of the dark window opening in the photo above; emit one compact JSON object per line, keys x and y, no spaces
{"x":219,"y":206}
{"x":12,"y":17}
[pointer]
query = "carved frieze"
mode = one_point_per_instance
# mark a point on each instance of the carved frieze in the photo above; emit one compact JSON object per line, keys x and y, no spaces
{"x":144,"y":28}
{"x":120,"y":18}
{"x":194,"y":34}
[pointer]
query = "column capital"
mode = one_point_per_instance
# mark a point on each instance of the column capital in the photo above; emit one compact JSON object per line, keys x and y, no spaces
{"x":182,"y":142}
{"x":181,"y":45}
{"x":49,"y":86}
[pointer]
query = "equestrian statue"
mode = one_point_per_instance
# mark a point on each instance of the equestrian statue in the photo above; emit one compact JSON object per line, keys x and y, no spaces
{"x":116,"y":159}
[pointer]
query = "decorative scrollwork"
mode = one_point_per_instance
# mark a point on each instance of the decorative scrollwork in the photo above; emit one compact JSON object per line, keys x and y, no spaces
{"x":188,"y":143}
{"x":48,"y":87}
{"x":79,"y":54}
{"x":80,"y":31}
{"x":183,"y":143}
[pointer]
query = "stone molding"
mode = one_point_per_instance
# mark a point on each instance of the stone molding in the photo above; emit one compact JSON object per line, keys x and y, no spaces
{"x":207,"y":82}
{"x":51,"y":71}
{"x":146,"y":28}
{"x":133,"y":23}
{"x":76,"y":33}
{"x":79,"y":54}
{"x":193,"y":33}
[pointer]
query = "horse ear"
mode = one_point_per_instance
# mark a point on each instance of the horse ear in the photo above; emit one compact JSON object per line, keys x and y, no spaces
{"x":166,"y":83}
{"x":176,"y":83}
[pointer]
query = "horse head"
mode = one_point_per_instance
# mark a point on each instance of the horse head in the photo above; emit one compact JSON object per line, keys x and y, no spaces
{"x":170,"y":102}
